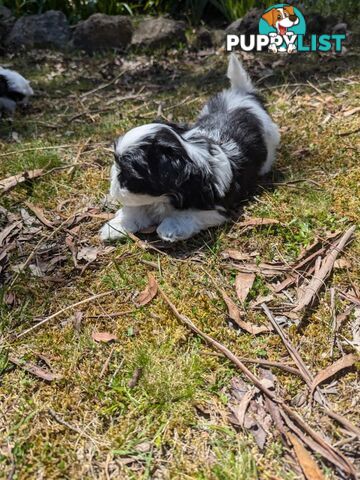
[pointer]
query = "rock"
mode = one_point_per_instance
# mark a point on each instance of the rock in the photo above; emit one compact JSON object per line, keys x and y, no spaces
{"x":249,"y":24}
{"x":101,"y":32}
{"x":6,"y":22}
{"x":203,"y":38}
{"x":159,"y":32}
{"x":49,"y":29}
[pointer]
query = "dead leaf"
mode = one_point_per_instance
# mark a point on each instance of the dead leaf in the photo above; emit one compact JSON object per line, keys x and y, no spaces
{"x":104,"y":337}
{"x":135,"y":378}
{"x":235,"y":254}
{"x":8,"y":183}
{"x":77,"y":319}
{"x":344,"y":362}
{"x":7,"y":231}
{"x":148,"y":293}
{"x":248,"y":412}
{"x":348,"y":113}
{"x":266,"y":269}
{"x":239,"y":410}
{"x":307,"y":463}
{"x":342,"y":263}
{"x":89,"y":254}
{"x":38,"y":212}
{"x":243,"y":284}
{"x":234,"y":314}
{"x":34,"y":369}
{"x":258,"y":222}
{"x":143,"y":447}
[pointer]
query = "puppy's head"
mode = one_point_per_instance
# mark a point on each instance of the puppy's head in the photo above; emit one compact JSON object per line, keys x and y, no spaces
{"x":153,"y":163}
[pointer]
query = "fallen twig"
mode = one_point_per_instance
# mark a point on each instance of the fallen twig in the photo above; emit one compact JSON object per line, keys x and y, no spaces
{"x":101,"y":87}
{"x":8,"y":183}
{"x":316,"y":442}
{"x":306,"y":375}
{"x":65,"y":309}
{"x":106,"y":364}
{"x":63,"y":422}
{"x":325,"y":269}
{"x":334,"y":322}
{"x":305,"y":372}
{"x":34,"y":369}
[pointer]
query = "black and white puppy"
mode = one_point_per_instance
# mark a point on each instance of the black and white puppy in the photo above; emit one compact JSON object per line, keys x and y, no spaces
{"x":14,"y":89}
{"x":185,"y":180}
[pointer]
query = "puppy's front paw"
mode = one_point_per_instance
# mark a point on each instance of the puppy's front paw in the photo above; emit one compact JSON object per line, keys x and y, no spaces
{"x":112,"y":231}
{"x":171,"y":230}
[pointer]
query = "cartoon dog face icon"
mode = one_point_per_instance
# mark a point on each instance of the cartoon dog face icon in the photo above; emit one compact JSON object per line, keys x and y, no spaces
{"x":281,"y":18}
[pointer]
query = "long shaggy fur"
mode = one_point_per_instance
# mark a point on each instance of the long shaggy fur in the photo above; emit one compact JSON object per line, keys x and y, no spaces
{"x":14,"y":88}
{"x":185,"y":179}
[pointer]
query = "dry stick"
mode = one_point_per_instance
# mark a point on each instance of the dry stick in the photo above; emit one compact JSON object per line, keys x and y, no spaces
{"x":349,"y":297}
{"x":106,"y":364}
{"x":328,"y":451}
{"x":334,"y":322}
{"x":308,"y":377}
{"x":51,"y":147}
{"x":270,"y":363}
{"x":340,"y":419}
{"x":101,"y":87}
{"x":63,"y":422}
{"x":65,"y":309}
{"x":78,"y":155}
{"x":324,"y":270}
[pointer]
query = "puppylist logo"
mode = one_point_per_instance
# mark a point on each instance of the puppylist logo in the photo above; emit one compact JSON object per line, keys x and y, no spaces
{"x":282,"y":29}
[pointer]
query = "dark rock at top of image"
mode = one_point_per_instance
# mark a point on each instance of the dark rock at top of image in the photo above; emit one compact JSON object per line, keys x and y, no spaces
{"x":159,"y":32}
{"x":49,"y":29}
{"x":7,"y":21}
{"x":249,"y":24}
{"x":101,"y":32}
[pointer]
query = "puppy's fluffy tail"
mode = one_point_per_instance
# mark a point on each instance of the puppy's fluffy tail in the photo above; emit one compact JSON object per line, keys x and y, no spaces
{"x":237,"y":75}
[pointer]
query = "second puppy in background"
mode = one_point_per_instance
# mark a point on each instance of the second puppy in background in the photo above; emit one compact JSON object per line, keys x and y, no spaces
{"x":185,"y":180}
{"x":14,"y":89}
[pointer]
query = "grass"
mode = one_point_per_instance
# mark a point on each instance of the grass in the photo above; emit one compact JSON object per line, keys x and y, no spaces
{"x":174,"y":422}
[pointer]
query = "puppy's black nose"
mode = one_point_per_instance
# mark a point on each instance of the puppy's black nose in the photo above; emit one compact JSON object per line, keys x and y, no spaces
{"x":293,"y":18}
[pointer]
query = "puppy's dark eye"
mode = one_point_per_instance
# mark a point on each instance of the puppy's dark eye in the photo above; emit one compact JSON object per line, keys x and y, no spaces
{"x":279,"y":17}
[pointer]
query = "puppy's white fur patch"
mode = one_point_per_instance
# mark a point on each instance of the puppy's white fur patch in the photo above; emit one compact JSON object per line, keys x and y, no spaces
{"x":135,"y":218}
{"x":17,"y":82}
{"x":135,"y":137}
{"x":183,"y":224}
{"x":127,"y":198}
